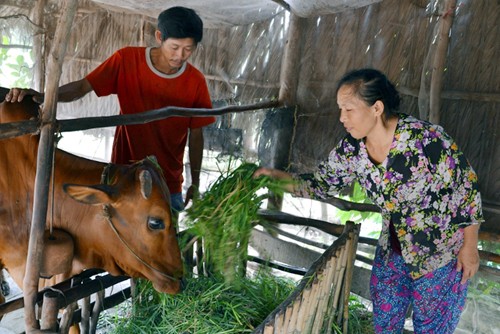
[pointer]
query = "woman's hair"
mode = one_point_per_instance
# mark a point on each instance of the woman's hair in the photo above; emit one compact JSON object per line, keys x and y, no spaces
{"x":371,"y":86}
{"x":180,"y":22}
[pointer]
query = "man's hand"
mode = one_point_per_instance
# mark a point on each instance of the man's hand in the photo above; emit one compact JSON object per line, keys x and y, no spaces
{"x":191,"y":193}
{"x":18,"y":94}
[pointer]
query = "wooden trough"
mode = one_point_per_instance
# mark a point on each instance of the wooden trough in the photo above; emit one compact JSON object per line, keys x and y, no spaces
{"x":322,"y":295}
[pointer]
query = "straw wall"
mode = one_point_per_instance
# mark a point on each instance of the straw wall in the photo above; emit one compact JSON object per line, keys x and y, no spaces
{"x":243,"y":65}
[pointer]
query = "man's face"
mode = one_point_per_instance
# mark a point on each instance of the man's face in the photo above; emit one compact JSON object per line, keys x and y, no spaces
{"x":176,"y":51}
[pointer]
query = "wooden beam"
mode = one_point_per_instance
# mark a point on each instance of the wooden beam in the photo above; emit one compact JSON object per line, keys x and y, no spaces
{"x":456,"y":95}
{"x":14,"y":129}
{"x":439,"y":61}
{"x":290,"y":65}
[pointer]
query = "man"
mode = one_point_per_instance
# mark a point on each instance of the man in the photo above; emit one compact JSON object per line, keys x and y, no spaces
{"x":146,"y":78}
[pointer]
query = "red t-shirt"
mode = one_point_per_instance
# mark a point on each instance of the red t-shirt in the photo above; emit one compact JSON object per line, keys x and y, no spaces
{"x":130,"y":75}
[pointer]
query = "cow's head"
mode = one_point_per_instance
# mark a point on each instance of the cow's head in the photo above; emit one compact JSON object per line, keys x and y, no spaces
{"x":138,"y":227}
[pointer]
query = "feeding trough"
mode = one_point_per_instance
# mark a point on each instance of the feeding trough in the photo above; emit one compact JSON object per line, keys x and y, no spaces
{"x":322,"y":295}
{"x":320,"y":298}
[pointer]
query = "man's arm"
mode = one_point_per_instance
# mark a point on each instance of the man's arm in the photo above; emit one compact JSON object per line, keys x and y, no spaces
{"x":195,"y":159}
{"x":67,"y":93}
{"x":74,"y":90}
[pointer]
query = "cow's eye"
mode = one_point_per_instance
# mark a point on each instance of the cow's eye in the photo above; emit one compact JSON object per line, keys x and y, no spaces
{"x":156,"y":223}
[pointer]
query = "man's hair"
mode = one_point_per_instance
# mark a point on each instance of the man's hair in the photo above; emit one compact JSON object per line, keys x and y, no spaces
{"x":180,"y":22}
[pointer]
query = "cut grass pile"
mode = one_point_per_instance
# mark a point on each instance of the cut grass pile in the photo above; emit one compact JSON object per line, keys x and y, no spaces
{"x":207,"y":305}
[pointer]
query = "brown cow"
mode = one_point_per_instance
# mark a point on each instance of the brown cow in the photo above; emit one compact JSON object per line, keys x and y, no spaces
{"x":123,"y":225}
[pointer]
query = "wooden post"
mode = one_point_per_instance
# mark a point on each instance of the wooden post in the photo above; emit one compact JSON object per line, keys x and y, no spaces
{"x":96,"y":311}
{"x":289,"y":75}
{"x":38,"y":49}
{"x":44,"y":166}
{"x":439,"y":60}
{"x":85,"y":315}
{"x":50,"y":310}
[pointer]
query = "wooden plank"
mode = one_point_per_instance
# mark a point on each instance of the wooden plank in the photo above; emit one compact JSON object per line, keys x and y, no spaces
{"x":324,"y":293}
{"x":282,"y":251}
{"x":301,"y":316}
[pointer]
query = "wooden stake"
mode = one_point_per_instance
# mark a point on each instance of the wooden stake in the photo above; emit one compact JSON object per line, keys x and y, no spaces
{"x":439,"y":61}
{"x":44,"y":167}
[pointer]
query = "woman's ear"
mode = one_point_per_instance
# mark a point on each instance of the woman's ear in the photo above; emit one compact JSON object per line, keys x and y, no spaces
{"x":379,"y":107}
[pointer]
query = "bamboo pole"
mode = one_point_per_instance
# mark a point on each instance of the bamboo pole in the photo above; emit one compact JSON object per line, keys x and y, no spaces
{"x":312,"y":305}
{"x":303,"y":307}
{"x":67,"y":318}
{"x":324,"y":293}
{"x":38,"y":49}
{"x":44,"y":167}
{"x":14,"y":129}
{"x":97,"y":309}
{"x":291,"y":62}
{"x":85,"y":315}
{"x":351,"y":257}
{"x":49,"y":311}
{"x":294,"y":314}
{"x":439,"y":60}
{"x":286,"y":318}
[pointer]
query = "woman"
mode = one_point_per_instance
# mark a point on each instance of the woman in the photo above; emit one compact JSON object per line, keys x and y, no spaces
{"x":429,"y":197}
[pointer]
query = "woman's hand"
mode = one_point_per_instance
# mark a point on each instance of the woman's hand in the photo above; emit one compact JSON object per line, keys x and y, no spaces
{"x":279,"y":175}
{"x":468,"y":256}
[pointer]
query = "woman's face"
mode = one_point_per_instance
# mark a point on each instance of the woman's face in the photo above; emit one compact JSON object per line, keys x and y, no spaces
{"x":358,"y":118}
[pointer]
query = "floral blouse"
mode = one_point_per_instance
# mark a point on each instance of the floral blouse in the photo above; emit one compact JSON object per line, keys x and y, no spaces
{"x":425,"y":185}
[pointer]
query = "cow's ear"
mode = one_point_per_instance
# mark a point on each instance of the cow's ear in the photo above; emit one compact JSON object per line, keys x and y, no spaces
{"x":146,"y":183}
{"x":93,"y":195}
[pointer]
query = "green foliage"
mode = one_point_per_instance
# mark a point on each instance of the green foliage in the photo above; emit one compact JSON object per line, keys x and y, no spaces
{"x":224,"y":216}
{"x":358,"y":195}
{"x":360,"y":318}
{"x":15,"y":65}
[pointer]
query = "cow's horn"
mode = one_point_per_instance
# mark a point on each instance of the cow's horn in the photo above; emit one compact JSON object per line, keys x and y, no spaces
{"x":146,"y":183}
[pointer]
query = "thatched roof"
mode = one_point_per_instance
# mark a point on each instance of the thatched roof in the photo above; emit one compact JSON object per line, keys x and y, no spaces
{"x":237,"y":12}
